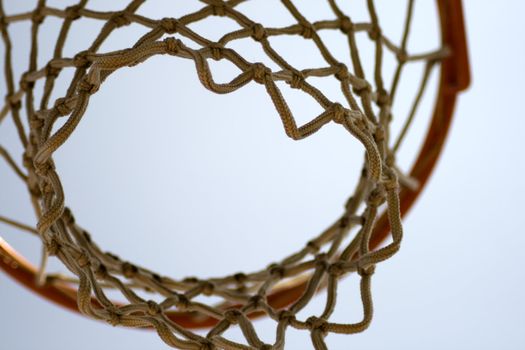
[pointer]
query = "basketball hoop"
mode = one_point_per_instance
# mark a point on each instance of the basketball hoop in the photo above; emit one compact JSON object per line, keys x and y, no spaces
{"x":353,"y":243}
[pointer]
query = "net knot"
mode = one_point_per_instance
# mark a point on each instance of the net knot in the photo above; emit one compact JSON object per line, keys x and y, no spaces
{"x":87,"y":87}
{"x":402,"y":56}
{"x":346,"y":25}
{"x":218,"y":8}
{"x":73,"y":12}
{"x":342,"y":72}
{"x":390,"y":181}
{"x":314,"y":322}
{"x":81,"y":60}
{"x":101,"y":272}
{"x":13,"y":101}
{"x":191,"y":280}
{"x":240,"y":277}
{"x":182,"y":303}
{"x":206,"y":344}
{"x":153,"y":308}
{"x":51,"y":71}
{"x":25,"y":83}
{"x":42,"y":169}
{"x":208,"y":288}
{"x":67,"y":217}
{"x":366,"y":271}
{"x":62,"y":107}
{"x":307,"y":30}
{"x":286,"y":316}
{"x":52,"y":247}
{"x":83,"y":260}
{"x":376,"y":198}
{"x":36,"y":124}
{"x":379,"y":133}
{"x":47,"y":188}
{"x":258,"y":32}
{"x":256,"y":300}
{"x":336,"y":269}
{"x":276,"y":270}
{"x":297,"y":80}
{"x":38,"y":16}
{"x":232,"y":316}
{"x":169,"y":25}
{"x":260,"y":72}
{"x":129,"y":270}
{"x":361,"y":87}
{"x":375,"y":32}
{"x":383,"y":98}
{"x":216,"y":50}
{"x":344,"y":221}
{"x":339,"y":113}
{"x":172,"y":45}
{"x":120,"y":19}
{"x":312,"y":247}
{"x":86,"y":235}
{"x":113,"y":317}
{"x":321,"y":261}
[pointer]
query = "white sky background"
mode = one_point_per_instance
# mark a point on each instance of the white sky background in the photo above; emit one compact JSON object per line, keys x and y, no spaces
{"x":456,"y":283}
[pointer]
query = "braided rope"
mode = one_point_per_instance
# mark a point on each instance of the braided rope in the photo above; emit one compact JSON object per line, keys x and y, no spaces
{"x":324,"y":257}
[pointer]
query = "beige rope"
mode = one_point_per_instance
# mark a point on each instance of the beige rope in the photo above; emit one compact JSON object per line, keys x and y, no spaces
{"x":327,"y":257}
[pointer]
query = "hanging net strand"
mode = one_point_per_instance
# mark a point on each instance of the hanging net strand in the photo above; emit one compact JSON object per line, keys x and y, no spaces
{"x":348,"y":245}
